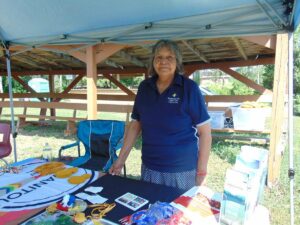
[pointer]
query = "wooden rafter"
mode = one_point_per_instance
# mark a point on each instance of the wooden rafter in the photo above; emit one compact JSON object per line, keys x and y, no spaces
{"x":131,"y":59}
{"x":190,"y":46}
{"x":240,"y":48}
{"x":28,"y":62}
{"x":46,"y":61}
{"x":113,"y":64}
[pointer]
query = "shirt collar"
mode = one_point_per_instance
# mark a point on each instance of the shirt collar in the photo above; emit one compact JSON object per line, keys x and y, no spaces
{"x":178,"y":80}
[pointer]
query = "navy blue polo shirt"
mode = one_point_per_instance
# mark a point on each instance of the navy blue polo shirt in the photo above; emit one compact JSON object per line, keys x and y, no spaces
{"x":168,"y":121}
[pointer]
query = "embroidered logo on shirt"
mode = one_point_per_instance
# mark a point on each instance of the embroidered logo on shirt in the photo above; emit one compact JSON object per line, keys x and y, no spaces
{"x":174,"y":99}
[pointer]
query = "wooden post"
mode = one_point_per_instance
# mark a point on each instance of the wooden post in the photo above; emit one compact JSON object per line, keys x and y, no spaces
{"x":52,"y":90}
{"x":91,"y":82}
{"x":277,"y":138}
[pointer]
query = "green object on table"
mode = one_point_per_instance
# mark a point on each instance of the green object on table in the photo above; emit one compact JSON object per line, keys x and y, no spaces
{"x":64,"y":220}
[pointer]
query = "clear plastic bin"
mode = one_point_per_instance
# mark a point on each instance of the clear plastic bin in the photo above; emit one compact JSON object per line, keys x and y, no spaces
{"x":251,"y":118}
{"x":217,"y":119}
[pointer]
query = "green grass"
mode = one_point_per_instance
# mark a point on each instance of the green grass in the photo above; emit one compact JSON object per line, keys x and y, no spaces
{"x":32,"y":138}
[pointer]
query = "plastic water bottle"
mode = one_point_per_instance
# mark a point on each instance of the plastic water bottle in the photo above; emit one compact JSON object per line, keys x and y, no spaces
{"x":47,"y":152}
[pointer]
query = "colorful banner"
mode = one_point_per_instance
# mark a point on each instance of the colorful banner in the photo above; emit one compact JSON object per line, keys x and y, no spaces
{"x":28,"y":190}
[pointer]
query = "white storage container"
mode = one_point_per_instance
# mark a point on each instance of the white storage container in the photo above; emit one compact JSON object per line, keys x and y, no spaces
{"x":250,"y":118}
{"x":217,"y":119}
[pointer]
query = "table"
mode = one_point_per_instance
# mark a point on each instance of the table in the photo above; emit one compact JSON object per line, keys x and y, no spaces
{"x":115,"y":186}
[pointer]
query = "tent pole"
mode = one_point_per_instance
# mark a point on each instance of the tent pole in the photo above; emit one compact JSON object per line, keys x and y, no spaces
{"x":291,"y":171}
{"x":14,"y":133}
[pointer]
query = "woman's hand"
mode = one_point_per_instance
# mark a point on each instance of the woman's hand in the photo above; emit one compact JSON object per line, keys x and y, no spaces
{"x":117,"y":167}
{"x":131,"y":134}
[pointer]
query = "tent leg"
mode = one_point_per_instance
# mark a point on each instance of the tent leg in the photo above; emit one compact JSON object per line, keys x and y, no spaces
{"x":13,"y":128}
{"x":291,"y":171}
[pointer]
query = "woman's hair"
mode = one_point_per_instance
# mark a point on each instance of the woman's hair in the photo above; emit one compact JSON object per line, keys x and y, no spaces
{"x":173,"y":47}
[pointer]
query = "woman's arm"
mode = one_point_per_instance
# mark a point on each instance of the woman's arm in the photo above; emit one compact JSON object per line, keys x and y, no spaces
{"x":130,"y":136}
{"x":204,"y":132}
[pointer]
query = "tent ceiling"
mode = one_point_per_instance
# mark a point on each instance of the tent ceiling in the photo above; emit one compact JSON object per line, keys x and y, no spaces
{"x":207,"y":25}
{"x":34,"y":22}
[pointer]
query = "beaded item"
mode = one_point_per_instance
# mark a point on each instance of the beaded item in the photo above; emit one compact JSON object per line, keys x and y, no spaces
{"x":101,"y":210}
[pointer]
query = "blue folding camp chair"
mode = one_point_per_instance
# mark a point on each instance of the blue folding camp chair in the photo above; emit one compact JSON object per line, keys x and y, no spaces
{"x":101,"y":140}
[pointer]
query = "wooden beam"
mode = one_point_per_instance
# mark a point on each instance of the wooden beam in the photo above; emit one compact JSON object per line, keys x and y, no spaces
{"x":240,"y":47}
{"x":245,"y":80}
{"x":26,"y":86}
{"x":217,"y":65}
{"x":278,"y":109}
{"x":28,"y":62}
{"x":63,"y":105}
{"x":113,"y":64}
{"x":52,"y":90}
{"x":91,"y":82}
{"x":119,"y":84}
{"x":191,"y":46}
{"x":106,"y":50}
{"x":71,"y":85}
{"x":131,"y":59}
{"x":112,"y":97}
{"x":268,"y":41}
{"x":139,"y":70}
{"x":238,"y":98}
{"x":78,"y":55}
{"x":44,"y":60}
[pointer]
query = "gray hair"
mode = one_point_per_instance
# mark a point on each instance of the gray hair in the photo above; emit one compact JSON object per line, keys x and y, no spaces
{"x":173,"y":47}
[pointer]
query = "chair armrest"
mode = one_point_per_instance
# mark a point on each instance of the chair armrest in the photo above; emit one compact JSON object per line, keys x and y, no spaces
{"x":65,"y":147}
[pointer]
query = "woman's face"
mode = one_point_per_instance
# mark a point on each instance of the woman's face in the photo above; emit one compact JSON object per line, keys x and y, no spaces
{"x":164,"y":62}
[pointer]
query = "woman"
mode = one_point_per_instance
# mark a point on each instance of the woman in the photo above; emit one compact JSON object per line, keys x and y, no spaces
{"x":170,"y":111}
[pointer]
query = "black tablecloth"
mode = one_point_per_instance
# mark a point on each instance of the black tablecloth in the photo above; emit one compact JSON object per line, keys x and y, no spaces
{"x":115,"y":186}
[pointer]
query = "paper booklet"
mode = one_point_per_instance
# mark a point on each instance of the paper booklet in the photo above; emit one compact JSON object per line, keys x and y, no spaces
{"x":131,"y":201}
{"x":200,"y":205}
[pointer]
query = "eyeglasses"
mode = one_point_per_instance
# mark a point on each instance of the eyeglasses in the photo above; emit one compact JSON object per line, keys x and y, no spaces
{"x":160,"y":59}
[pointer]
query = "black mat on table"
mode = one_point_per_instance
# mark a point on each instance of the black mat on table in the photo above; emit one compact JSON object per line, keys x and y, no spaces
{"x":115,"y":186}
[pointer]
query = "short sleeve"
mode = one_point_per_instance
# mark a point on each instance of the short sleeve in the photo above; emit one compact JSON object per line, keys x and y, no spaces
{"x":135,"y":115}
{"x":197,"y":106}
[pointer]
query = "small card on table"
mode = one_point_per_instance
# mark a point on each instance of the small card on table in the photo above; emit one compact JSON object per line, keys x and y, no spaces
{"x":131,"y":201}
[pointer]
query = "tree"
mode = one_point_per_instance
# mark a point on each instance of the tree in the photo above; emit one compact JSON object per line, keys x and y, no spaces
{"x":16,"y":86}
